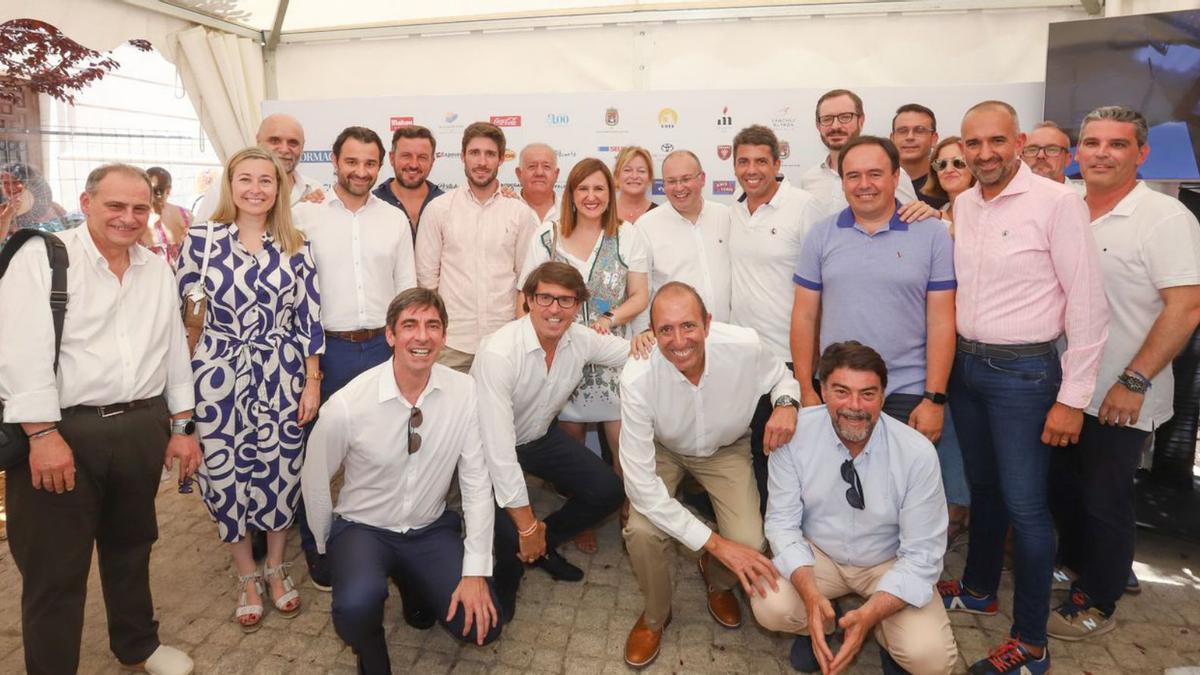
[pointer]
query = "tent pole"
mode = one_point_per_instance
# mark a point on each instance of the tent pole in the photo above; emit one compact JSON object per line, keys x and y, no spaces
{"x":269,"y":75}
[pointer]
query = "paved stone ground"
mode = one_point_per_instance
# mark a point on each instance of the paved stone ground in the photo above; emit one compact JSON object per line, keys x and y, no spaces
{"x":570,"y":628}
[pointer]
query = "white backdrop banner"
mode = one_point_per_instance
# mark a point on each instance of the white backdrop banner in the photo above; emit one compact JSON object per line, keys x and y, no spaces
{"x":600,"y":124}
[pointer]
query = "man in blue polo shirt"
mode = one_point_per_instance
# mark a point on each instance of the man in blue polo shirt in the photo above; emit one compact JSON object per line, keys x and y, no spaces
{"x":888,"y":284}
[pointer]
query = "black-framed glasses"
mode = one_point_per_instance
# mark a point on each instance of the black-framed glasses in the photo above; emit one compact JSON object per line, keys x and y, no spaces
{"x":854,"y":494}
{"x":941,"y":164}
{"x":414,"y":422}
{"x":564,"y":301}
{"x":1050,"y":150}
{"x":840,"y":118}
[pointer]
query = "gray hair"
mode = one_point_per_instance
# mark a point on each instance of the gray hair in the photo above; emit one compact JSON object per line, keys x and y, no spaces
{"x":99,"y":173}
{"x":1119,"y":113}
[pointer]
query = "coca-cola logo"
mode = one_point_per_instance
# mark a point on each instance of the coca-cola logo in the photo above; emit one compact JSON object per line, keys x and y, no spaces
{"x":506,"y":120}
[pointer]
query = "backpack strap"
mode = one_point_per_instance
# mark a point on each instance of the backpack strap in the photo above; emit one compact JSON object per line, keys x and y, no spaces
{"x":56,"y":251}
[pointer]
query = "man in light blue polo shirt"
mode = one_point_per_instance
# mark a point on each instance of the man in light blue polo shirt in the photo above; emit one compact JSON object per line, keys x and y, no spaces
{"x":873,"y":278}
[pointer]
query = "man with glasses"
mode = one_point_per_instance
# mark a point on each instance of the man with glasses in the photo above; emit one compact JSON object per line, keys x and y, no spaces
{"x":857,"y":507}
{"x":1047,"y":152}
{"x":524,"y":373}
{"x":914,"y":131}
{"x":686,"y":411}
{"x":399,"y":431}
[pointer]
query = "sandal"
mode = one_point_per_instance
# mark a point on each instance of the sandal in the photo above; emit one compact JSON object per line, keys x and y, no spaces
{"x":244,"y":609}
{"x":586,"y":542}
{"x":287,"y":604}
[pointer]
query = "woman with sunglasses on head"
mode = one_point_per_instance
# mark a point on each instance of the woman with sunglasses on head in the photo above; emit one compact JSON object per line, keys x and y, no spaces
{"x":168,"y":223}
{"x":256,"y":369}
{"x":611,"y":257}
{"x":634,"y":174}
{"x":950,"y":176}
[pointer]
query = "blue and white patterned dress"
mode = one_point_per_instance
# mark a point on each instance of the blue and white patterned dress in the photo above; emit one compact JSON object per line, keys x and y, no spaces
{"x":263,"y":319}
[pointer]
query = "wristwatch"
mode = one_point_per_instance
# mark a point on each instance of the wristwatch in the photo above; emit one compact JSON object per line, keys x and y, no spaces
{"x":1133,"y":382}
{"x":937,"y":398}
{"x":185,"y":427}
{"x":787,"y":400}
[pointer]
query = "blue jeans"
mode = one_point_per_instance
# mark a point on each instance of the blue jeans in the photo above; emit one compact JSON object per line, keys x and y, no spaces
{"x":999,"y":408}
{"x":364,"y":557}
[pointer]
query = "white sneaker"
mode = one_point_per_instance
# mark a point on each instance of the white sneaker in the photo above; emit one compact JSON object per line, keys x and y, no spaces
{"x":169,"y":661}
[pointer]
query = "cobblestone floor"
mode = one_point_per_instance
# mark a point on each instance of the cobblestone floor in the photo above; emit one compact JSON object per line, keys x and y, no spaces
{"x":571,"y":628}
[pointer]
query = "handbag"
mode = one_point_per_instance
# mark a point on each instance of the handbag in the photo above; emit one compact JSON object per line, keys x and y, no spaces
{"x":14,"y":443}
{"x":195,"y":302}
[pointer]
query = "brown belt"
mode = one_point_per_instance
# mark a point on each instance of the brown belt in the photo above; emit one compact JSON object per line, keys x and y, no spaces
{"x":360,"y":335}
{"x":112,"y":409}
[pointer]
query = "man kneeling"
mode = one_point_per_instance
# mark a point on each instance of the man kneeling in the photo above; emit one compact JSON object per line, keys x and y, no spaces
{"x":856,"y":506}
{"x":399,"y":430}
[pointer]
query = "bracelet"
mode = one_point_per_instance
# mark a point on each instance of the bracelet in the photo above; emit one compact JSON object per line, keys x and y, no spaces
{"x":531,"y":530}
{"x":43,"y":432}
{"x":1139,"y":376}
{"x":318,"y":375}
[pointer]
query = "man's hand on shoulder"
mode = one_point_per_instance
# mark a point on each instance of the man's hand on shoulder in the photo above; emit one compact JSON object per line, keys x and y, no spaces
{"x":641,"y":344}
{"x":315,"y":196}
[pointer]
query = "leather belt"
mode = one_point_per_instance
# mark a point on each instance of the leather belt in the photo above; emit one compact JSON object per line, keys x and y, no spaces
{"x":1004,"y":352}
{"x":113,"y":409}
{"x":360,"y":335}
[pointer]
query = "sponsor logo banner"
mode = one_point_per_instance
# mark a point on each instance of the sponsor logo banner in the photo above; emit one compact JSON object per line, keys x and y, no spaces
{"x":668,"y":118}
{"x":723,"y":187}
{"x":724,"y":119}
{"x":611,"y":117}
{"x":657,"y":188}
{"x":316,"y":156}
{"x":558,"y":119}
{"x":724,"y":152}
{"x":397,"y":121}
{"x":506,"y":120}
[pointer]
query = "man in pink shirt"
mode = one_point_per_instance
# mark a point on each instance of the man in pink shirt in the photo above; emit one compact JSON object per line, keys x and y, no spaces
{"x":1028,"y":274}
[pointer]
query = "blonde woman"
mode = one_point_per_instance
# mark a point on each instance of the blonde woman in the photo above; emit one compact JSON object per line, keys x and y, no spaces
{"x":256,"y":373}
{"x":634,"y":175}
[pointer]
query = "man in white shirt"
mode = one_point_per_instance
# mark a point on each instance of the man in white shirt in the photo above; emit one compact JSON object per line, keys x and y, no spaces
{"x":364,"y":257}
{"x":1150,"y":258}
{"x":399,"y":431}
{"x":99,"y":430}
{"x":537,"y":171}
{"x":688,"y":240}
{"x":687,"y":410}
{"x":471,"y":245}
{"x":768,"y":225}
{"x":284,"y":137}
{"x":525,"y":372}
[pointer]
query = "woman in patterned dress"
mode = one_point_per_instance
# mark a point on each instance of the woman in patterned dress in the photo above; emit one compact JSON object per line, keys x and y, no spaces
{"x":256,"y":372}
{"x":611,"y":256}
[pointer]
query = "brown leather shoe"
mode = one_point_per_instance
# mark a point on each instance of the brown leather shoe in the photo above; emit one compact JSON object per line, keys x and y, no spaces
{"x":641,"y":648}
{"x":722,"y":605}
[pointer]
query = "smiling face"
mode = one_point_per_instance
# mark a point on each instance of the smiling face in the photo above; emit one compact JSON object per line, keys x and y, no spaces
{"x":869,"y":181}
{"x":755,"y":170}
{"x":953,"y":179}
{"x":254,"y":185}
{"x":913,"y":134}
{"x":634,"y":178}
{"x":838,"y":133}
{"x":283,"y":136}
{"x":684,"y":183}
{"x":417,"y":337}
{"x":591,"y":196}
{"x":681,"y":327}
{"x":1108,"y":154}
{"x":118,"y":212}
{"x":854,"y":399}
{"x":538,"y":170}
{"x":481,"y":161}
{"x":552,"y":320}
{"x":357,"y":166}
{"x":1041,"y":163}
{"x":412,"y":160}
{"x":992,"y":145}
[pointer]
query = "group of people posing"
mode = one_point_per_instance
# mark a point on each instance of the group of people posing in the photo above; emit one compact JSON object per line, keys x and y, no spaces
{"x":818,"y":388}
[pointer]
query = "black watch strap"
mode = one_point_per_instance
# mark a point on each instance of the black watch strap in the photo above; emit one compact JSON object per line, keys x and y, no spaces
{"x":937,"y":398}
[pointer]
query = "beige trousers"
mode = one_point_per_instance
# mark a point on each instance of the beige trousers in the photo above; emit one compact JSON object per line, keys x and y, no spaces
{"x":919,"y":638}
{"x":728,"y":477}
{"x":452,"y":358}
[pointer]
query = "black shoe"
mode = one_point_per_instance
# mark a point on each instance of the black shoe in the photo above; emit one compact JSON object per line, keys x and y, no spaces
{"x":557,"y":566}
{"x":508,"y":602}
{"x":416,"y":613}
{"x":803,"y":658}
{"x":258,"y":545}
{"x":890,"y":667}
{"x":319,"y":572}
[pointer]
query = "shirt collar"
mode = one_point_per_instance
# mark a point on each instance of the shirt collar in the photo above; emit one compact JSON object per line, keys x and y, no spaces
{"x":778,"y":199}
{"x":389,"y":390}
{"x":138,"y":255}
{"x":529,"y":339}
{"x":471,"y":195}
{"x":1129,"y":202}
{"x":334,"y":199}
{"x":846,"y":219}
{"x":1021,"y":182}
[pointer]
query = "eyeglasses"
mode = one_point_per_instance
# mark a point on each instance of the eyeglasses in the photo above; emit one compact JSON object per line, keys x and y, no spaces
{"x":414,"y":422}
{"x":915,"y":131}
{"x":841,"y":118}
{"x":680,"y":180}
{"x":854,"y":494}
{"x":564,"y":301}
{"x":1050,"y":150}
{"x":941,"y":164}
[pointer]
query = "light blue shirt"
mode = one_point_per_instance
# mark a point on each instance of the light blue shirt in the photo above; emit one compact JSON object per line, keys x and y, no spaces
{"x":905,"y":516}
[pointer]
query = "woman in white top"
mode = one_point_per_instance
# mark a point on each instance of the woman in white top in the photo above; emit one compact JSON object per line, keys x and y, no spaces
{"x":611,"y":256}
{"x":634,"y":173}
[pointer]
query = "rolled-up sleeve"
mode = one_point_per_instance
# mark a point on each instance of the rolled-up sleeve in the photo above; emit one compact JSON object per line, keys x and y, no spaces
{"x":1077,"y":266}
{"x":28,"y":385}
{"x":923,"y":521}
{"x":494,"y":378}
{"x":785,"y":513}
{"x":773,"y":375}
{"x":476,"y":485}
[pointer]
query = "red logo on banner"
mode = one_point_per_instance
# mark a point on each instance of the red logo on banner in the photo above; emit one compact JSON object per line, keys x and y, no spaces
{"x":506,"y":120}
{"x":396,"y":121}
{"x":724,"y":152}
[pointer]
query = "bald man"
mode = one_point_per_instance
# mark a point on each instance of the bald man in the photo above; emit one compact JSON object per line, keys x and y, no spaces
{"x":537,"y":171}
{"x":284,"y":137}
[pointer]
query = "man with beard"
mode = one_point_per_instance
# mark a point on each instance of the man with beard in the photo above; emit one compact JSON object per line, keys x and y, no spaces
{"x":857,"y":508}
{"x":1028,"y":273}
{"x":412,"y":155}
{"x":537,"y":171}
{"x":364,"y":258}
{"x":914,"y":131}
{"x":471,"y":246}
{"x":1047,"y":151}
{"x":284,"y":137}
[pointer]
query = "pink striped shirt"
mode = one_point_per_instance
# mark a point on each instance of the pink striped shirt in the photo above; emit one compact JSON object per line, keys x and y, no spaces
{"x":1028,"y":271}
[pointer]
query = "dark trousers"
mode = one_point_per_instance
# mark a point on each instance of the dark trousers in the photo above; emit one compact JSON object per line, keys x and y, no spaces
{"x":342,"y":361}
{"x":364,"y":557}
{"x":118,"y":462}
{"x":1093,"y":503}
{"x":758,"y":458}
{"x":999,"y":409}
{"x":593,"y":489}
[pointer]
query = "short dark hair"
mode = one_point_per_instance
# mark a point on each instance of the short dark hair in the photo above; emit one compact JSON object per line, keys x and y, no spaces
{"x":360,"y":134}
{"x":854,"y":355}
{"x":678,"y":287}
{"x":484,"y":130}
{"x":559,"y":274}
{"x":757,"y":134}
{"x":414,"y":131}
{"x":415,"y":297}
{"x":834,"y":93}
{"x":888,"y":147}
{"x":915,"y":108}
{"x":161,"y":176}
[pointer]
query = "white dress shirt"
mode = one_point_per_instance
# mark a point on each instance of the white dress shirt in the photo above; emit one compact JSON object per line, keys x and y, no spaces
{"x":763,"y":250}
{"x":303,"y":187}
{"x":824,"y":183}
{"x":364,"y":259}
{"x":659,"y":404}
{"x":696,"y":254}
{"x":364,"y":428}
{"x":519,"y":398}
{"x":122,"y":339}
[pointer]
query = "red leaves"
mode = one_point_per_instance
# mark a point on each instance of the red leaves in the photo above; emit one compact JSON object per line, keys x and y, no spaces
{"x":37,"y":54}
